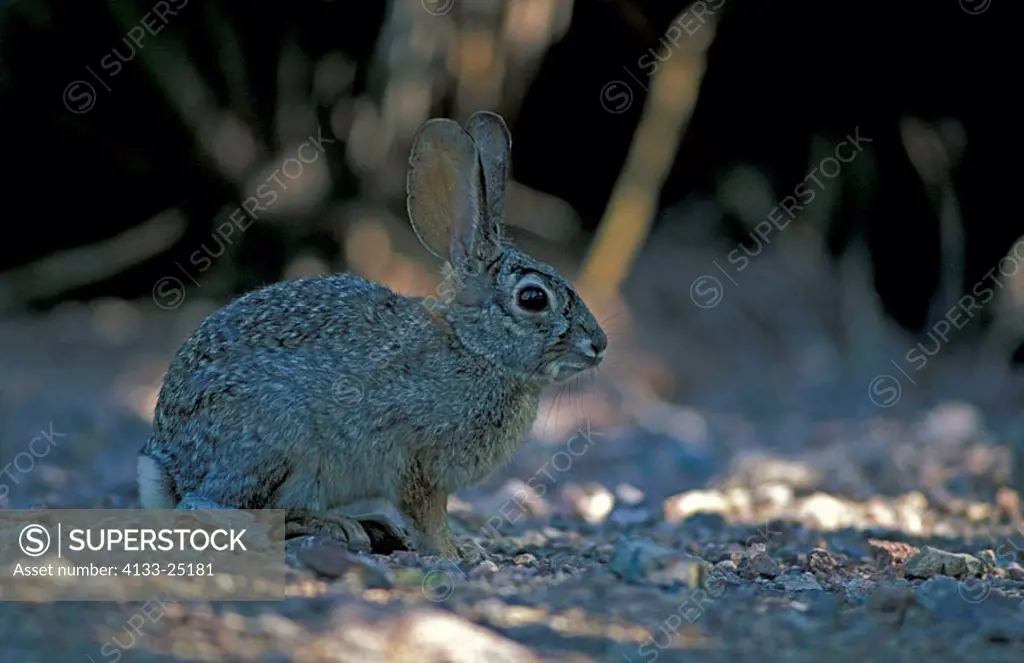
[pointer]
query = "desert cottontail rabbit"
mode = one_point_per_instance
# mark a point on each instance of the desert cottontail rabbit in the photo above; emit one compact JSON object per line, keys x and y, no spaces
{"x":310,"y":394}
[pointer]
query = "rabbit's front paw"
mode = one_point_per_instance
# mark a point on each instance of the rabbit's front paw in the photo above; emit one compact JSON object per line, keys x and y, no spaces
{"x":385,"y":537}
{"x":330,"y":526}
{"x":448,"y":547}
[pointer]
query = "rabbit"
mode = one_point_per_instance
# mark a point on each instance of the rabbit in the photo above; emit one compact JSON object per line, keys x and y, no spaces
{"x":310,"y":394}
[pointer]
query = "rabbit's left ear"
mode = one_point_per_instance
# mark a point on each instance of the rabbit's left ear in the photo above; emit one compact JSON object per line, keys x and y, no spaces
{"x":444,"y":189}
{"x":494,"y":146}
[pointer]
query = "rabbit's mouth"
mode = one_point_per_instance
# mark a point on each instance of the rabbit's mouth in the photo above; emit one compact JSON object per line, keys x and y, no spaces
{"x":568,"y":366}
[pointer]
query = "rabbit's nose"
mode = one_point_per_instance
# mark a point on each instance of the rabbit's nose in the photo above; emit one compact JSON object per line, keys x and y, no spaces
{"x":595,"y":346}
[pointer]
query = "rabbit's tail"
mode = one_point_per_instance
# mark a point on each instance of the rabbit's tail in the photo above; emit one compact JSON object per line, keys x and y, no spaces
{"x":155,"y":490}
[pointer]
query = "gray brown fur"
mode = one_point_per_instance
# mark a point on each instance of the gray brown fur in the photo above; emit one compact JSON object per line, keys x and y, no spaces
{"x":310,"y":394}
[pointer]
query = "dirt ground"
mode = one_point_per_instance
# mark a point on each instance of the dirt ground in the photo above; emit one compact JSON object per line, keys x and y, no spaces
{"x":779,"y":514}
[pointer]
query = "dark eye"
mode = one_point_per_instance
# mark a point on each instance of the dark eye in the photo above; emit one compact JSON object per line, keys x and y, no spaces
{"x":533,"y":298}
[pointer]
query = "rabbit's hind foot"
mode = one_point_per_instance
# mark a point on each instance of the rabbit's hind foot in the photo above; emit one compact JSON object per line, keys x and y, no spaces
{"x":193,"y":502}
{"x":361,"y":534}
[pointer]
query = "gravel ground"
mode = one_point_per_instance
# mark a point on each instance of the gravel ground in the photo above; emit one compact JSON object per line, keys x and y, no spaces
{"x":628,"y":529}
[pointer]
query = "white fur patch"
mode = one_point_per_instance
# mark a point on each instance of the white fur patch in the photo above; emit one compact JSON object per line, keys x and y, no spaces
{"x":154,"y":488}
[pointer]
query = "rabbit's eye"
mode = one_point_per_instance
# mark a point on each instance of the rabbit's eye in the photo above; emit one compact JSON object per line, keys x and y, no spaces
{"x":533,"y":298}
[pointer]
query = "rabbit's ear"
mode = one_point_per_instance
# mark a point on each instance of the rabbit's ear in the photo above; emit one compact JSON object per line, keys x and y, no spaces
{"x":494,"y":145}
{"x":443,"y":190}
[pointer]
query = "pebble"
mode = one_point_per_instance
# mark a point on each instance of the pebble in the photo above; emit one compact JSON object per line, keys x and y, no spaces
{"x":642,"y":560}
{"x":484,"y":569}
{"x":525,"y":559}
{"x":988,"y":557}
{"x":759,"y":564}
{"x":934,"y":562}
{"x":797,"y":582}
{"x":334,"y":560}
{"x":887,"y":553}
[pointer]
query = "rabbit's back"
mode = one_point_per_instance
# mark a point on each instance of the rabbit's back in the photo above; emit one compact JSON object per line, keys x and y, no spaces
{"x":266,"y":380}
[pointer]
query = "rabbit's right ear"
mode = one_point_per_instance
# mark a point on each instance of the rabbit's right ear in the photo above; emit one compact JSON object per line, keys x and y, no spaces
{"x":443,"y":190}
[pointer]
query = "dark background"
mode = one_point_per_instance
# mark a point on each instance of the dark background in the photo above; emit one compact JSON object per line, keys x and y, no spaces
{"x":777,"y":75}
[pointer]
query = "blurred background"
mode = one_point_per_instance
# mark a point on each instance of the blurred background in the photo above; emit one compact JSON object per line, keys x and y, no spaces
{"x":793,"y":218}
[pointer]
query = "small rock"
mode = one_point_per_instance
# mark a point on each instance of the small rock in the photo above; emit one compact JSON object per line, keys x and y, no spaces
{"x":484,"y":569}
{"x":887,"y":553}
{"x":988,"y":557}
{"x":643,"y":560}
{"x":758,"y":565}
{"x":857,"y":589}
{"x":797,"y":582}
{"x":525,"y":559}
{"x":934,"y":562}
{"x":680,"y":507}
{"x":821,"y":563}
{"x":334,"y":560}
